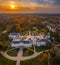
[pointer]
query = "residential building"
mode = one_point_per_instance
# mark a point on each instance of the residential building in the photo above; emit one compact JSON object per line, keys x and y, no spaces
{"x":21,"y":43}
{"x":14,"y":35}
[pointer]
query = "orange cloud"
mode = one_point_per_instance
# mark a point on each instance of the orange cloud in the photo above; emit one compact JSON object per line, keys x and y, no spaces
{"x":28,"y":7}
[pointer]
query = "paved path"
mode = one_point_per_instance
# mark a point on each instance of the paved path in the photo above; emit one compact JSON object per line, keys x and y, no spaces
{"x":34,"y":49}
{"x":48,"y":58}
{"x":19,"y":56}
{"x":7,"y":56}
{"x":10,"y":50}
{"x":58,"y":45}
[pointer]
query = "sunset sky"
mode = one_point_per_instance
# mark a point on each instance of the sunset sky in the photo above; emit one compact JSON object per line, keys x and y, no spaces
{"x":29,"y":6}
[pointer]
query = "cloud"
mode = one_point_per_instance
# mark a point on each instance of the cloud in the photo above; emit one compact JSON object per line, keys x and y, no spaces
{"x":49,"y":1}
{"x":45,"y":6}
{"x":35,"y":1}
{"x":41,"y":1}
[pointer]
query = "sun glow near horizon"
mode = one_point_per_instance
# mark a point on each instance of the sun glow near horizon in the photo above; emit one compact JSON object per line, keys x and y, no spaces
{"x":12,"y":6}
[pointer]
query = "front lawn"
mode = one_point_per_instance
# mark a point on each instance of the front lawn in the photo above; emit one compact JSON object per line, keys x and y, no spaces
{"x":13,"y":52}
{"x":41,"y":48}
{"x":28,"y":51}
{"x":39,"y":60}
{"x":4,"y":61}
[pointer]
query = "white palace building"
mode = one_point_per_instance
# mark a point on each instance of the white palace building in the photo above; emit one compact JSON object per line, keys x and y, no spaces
{"x":28,"y":41}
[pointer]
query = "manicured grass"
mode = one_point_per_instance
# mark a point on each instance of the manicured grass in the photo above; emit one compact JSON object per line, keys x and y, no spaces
{"x":39,"y":60}
{"x":13,"y":52}
{"x":41,"y":48}
{"x":28,"y":51}
{"x":4,"y":61}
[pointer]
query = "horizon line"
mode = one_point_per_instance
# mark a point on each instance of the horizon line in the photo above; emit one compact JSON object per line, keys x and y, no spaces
{"x":31,"y":13}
